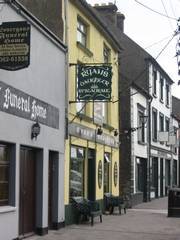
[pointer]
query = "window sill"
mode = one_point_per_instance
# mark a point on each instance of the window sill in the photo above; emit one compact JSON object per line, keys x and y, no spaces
{"x":142,"y":143}
{"x":107,"y":126}
{"x":161,"y":100}
{"x":6,"y":209}
{"x":167,"y":105}
{"x":84,"y":49}
{"x":84,"y":117}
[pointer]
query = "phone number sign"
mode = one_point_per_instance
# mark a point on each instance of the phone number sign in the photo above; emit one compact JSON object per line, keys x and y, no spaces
{"x":14,"y":45}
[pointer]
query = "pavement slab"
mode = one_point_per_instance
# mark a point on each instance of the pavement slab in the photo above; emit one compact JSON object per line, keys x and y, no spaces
{"x":146,"y":221}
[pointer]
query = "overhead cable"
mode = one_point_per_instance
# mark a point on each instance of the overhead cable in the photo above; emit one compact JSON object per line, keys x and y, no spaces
{"x":164,"y":15}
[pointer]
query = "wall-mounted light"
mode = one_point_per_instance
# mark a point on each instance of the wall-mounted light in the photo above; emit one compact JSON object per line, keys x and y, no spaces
{"x":116,"y":133}
{"x":143,"y":119}
{"x":99,"y":130}
{"x":35,"y":130}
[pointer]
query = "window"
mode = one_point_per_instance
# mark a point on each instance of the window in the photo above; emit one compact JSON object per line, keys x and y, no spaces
{"x":107,"y":162}
{"x":107,"y":58}
{"x":154,"y":124}
{"x":106,"y":54}
{"x":105,"y":112}
{"x":167,"y":94}
{"x":77,"y":172}
{"x":167,"y":124}
{"x":167,"y":127}
{"x":4,"y":174}
{"x":161,"y":88}
{"x":161,"y":122}
{"x":82,"y":32}
{"x":154,"y":82}
{"x":175,"y":173}
{"x":140,"y":124}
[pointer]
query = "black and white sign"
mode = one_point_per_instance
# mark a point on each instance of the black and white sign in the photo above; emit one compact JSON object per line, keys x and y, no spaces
{"x":14,"y":45}
{"x":18,"y":103}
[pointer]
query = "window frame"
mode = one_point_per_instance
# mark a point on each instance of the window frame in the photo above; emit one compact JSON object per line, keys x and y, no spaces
{"x":154,"y":124}
{"x":154,"y":82}
{"x":83,"y":34}
{"x":141,"y":130}
{"x":161,"y":88}
{"x":82,"y":160}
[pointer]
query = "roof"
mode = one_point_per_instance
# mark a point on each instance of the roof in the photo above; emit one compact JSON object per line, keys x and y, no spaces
{"x":38,"y":24}
{"x":176,"y":108}
{"x":133,"y":59}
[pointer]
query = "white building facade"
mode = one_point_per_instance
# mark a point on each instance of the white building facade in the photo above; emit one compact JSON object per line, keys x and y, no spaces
{"x":161,"y":157}
{"x":32,"y":116}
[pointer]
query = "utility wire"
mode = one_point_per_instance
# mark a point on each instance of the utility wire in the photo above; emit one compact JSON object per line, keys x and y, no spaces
{"x":165,"y":46}
{"x":164,"y":15}
{"x":143,"y":71}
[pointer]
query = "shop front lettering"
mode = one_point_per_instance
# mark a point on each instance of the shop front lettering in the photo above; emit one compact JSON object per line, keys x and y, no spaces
{"x":13,"y":101}
{"x":18,"y":103}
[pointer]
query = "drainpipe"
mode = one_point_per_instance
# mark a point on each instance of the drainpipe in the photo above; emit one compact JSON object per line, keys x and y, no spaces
{"x":149,"y":151}
{"x":66,"y":41}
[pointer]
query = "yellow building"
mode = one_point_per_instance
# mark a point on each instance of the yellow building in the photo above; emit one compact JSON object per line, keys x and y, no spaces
{"x":92,"y":149}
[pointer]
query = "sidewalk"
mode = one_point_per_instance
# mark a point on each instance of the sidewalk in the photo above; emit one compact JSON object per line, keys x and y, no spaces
{"x":147,"y":221}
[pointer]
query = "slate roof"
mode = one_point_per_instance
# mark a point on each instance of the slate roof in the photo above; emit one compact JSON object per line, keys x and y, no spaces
{"x":176,"y":108}
{"x":133,"y":58}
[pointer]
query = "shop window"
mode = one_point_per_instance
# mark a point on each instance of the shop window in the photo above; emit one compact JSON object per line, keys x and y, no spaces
{"x":107,"y":163}
{"x":7,"y":175}
{"x":82,"y":32}
{"x":77,"y":172}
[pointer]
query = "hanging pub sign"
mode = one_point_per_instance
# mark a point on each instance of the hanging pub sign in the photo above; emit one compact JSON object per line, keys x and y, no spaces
{"x":14,"y":45}
{"x":94,"y":83}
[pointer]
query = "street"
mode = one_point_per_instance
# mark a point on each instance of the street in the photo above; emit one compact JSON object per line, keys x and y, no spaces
{"x":147,"y":221}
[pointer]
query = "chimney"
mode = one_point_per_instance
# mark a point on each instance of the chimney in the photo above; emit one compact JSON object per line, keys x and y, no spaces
{"x":120,"y":21}
{"x":109,"y":11}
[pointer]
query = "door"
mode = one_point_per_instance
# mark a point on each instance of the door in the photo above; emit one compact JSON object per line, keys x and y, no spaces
{"x":50,"y":190}
{"x":155,"y":175}
{"x":142,"y":177}
{"x":91,"y":175}
{"x":27,"y":192}
{"x":161,"y":177}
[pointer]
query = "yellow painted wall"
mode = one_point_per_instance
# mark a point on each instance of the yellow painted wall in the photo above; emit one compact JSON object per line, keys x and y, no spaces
{"x":96,"y":43}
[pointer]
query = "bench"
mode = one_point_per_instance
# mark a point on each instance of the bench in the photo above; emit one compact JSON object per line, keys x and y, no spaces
{"x":87,"y":209}
{"x":111,"y":201}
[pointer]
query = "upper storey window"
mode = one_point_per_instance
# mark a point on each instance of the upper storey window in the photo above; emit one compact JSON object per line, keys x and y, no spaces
{"x":82,"y":32}
{"x":106,"y":54}
{"x":161,"y":88}
{"x":167,"y":94}
{"x":154,"y":82}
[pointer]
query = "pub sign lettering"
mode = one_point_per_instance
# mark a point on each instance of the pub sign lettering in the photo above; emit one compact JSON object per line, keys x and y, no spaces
{"x":94,"y":83}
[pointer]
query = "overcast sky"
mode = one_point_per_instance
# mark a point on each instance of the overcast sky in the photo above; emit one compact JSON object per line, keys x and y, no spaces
{"x":147,"y":28}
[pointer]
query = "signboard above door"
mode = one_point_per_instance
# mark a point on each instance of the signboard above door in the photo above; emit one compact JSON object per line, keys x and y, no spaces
{"x":14,"y":45}
{"x":94,"y":82}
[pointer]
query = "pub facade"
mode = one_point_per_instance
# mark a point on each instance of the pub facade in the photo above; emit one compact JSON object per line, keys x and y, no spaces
{"x":32,"y":116}
{"x":92,"y":148}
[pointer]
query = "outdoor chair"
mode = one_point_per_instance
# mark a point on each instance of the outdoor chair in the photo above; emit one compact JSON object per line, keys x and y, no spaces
{"x":87,"y":209}
{"x":111,"y":201}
